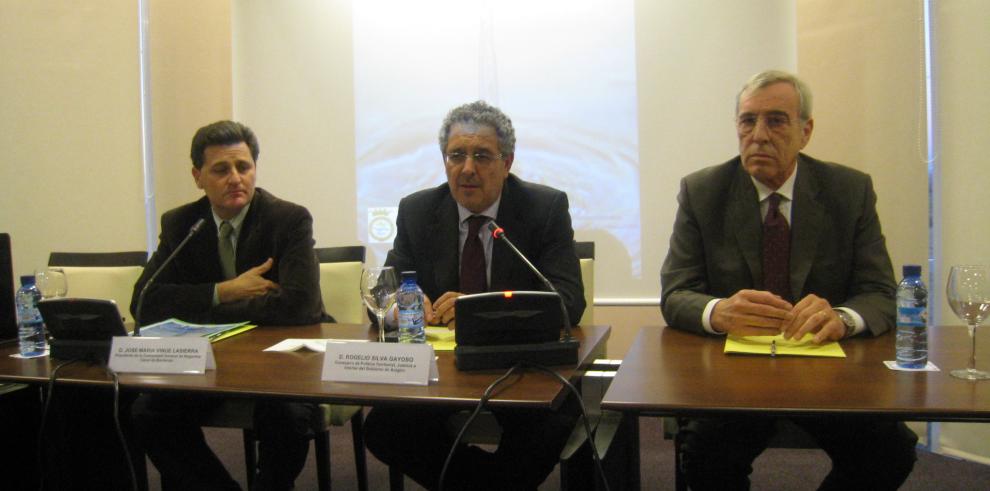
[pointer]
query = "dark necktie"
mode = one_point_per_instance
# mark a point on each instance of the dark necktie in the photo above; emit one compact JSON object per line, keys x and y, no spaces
{"x":226,"y":248}
{"x":776,"y":251}
{"x":473,"y":271}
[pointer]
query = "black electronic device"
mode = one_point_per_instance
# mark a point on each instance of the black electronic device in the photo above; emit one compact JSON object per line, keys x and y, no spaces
{"x":504,"y":328}
{"x":500,"y":329}
{"x":81,"y":328}
{"x":8,"y":313}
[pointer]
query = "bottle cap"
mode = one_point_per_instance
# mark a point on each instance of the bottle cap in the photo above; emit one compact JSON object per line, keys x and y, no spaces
{"x":408,"y":275}
{"x":27,"y":279}
{"x":912,"y":270}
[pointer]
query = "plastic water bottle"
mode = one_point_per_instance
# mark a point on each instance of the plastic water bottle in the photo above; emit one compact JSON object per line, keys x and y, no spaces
{"x":912,"y":319}
{"x":30,"y":328}
{"x":410,"y":301}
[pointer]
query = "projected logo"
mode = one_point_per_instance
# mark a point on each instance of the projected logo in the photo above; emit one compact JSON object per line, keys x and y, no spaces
{"x":564,"y":71}
{"x":381,"y":224}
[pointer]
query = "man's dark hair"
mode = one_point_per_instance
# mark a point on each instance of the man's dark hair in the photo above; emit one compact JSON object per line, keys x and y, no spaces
{"x":221,"y":133}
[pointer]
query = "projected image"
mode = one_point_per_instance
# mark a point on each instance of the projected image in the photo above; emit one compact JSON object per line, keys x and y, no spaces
{"x":564,"y":71}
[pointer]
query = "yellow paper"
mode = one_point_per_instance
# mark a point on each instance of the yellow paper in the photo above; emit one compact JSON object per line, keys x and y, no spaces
{"x":441,"y":338}
{"x":760,"y":345}
{"x":232,"y":332}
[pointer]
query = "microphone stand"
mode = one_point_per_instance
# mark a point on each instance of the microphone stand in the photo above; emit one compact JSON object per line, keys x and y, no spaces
{"x":499,"y":233}
{"x":140,"y":303}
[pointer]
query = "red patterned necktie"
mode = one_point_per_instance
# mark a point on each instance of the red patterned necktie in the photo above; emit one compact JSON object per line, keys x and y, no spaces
{"x":776,"y":250}
{"x":474,"y":275}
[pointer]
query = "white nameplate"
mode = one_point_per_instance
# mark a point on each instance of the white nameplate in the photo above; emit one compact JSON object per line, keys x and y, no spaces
{"x":179,"y":354}
{"x":382,"y":363}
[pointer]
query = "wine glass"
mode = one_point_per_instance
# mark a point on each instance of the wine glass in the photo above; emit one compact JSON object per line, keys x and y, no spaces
{"x":378,"y":287}
{"x":968,"y":292}
{"x":51,"y":283}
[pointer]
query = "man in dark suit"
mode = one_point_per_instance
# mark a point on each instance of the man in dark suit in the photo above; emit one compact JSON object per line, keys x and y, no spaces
{"x":252,"y":261}
{"x":776,"y":242}
{"x":442,"y":236}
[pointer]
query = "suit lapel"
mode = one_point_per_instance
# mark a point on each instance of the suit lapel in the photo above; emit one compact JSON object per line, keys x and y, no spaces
{"x":807,"y":215}
{"x":446,"y":257}
{"x":743,"y":218}
{"x":510,"y":218}
{"x":248,"y":226}
{"x":208,"y":260}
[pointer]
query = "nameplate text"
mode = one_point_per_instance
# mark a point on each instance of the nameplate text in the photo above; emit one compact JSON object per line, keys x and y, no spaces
{"x":383,"y":363}
{"x":180,"y":354}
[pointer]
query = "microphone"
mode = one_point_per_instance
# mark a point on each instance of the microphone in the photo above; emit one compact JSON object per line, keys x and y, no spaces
{"x":137,"y":311}
{"x":499,"y":233}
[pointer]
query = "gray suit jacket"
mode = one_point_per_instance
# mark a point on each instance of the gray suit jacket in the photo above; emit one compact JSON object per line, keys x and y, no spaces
{"x":534,"y":217}
{"x":838,"y":251}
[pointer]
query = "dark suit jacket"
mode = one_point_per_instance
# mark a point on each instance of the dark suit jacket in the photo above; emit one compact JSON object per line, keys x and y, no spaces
{"x":272,"y":228}
{"x":838,"y":251}
{"x":534,"y":217}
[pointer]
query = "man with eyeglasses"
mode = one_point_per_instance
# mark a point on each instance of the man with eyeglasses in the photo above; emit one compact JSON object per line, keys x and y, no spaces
{"x":776,"y":242}
{"x":442,"y":235}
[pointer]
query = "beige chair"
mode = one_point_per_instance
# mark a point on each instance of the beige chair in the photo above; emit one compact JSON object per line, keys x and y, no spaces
{"x":340,"y":282}
{"x":104,"y":275}
{"x":340,"y":277}
{"x":586,"y":256}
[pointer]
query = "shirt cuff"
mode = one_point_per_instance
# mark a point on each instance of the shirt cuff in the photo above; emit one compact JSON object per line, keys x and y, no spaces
{"x":390,"y":317}
{"x":216,"y":294}
{"x":706,"y":317}
{"x":857,"y":319}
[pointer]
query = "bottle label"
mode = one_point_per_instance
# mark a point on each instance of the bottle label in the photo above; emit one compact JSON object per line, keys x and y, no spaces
{"x":912,"y":316}
{"x":410,"y":319}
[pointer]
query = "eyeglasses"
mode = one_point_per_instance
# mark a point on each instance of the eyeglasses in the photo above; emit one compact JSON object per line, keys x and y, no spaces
{"x":480,"y":158}
{"x":746,"y":123}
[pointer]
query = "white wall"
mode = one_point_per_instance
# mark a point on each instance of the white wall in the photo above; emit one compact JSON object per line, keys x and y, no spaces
{"x":71,"y":176}
{"x":70,"y":155}
{"x":863,"y":61}
{"x":963,"y":62}
{"x":190,"y":87}
{"x":292,"y":84}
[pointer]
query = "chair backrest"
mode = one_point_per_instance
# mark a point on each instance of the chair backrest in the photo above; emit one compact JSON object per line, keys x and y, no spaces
{"x":586,"y":256}
{"x":106,"y":275}
{"x":8,"y":316}
{"x":340,"y":282}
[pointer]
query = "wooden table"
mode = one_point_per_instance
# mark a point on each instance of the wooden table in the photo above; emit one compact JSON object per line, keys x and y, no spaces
{"x":672,"y":372}
{"x":244,"y":370}
{"x":668,"y":372}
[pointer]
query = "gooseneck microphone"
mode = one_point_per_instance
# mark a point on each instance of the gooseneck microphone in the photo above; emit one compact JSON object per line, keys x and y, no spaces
{"x":137,"y":311}
{"x":499,"y":233}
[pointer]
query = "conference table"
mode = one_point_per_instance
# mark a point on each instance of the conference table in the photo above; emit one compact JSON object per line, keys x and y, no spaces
{"x":673,"y":372}
{"x":245,"y":370}
{"x":670,"y":372}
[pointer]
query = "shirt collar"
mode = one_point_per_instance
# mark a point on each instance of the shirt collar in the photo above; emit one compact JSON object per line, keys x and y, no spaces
{"x":490,"y":212}
{"x":234,"y":222}
{"x":786,"y":189}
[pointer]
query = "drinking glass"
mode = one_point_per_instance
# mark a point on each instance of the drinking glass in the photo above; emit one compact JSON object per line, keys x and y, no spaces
{"x":378,"y":287}
{"x":51,"y":283}
{"x":968,"y":292}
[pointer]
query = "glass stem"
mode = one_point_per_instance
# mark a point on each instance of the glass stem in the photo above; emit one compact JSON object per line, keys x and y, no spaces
{"x":972,"y":354}
{"x":381,"y":325}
